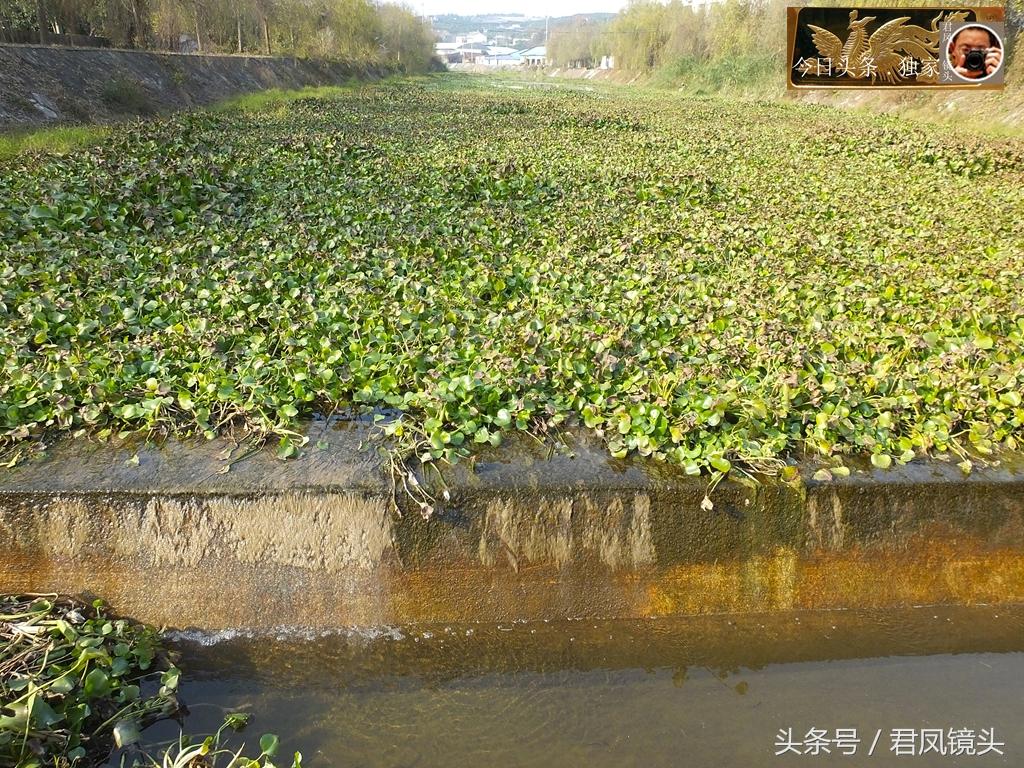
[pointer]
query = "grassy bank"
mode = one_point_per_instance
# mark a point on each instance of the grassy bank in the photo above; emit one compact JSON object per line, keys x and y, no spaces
{"x":738,"y":48}
{"x":762,"y":77}
{"x":758,"y":79}
{"x":58,"y":140}
{"x":712,"y":284}
{"x":747,"y":76}
{"x":65,"y":138}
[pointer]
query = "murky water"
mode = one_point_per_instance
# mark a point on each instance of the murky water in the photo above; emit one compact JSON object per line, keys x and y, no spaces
{"x":709,"y":691}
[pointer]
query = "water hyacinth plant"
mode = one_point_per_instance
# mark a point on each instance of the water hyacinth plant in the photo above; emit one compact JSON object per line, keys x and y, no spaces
{"x":211,"y":752}
{"x":74,"y":682}
{"x":707,"y":284}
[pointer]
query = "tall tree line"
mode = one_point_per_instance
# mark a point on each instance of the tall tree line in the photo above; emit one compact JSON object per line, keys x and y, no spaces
{"x":649,"y":34}
{"x":356,"y":29}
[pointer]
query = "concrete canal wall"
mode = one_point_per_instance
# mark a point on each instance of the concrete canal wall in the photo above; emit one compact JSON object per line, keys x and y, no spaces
{"x":48,"y":84}
{"x":174,"y":538}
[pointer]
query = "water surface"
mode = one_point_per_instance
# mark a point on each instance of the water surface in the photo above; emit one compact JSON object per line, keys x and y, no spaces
{"x":708,"y":691}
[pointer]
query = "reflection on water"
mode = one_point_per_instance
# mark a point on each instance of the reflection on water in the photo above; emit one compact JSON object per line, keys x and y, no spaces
{"x":709,"y":691}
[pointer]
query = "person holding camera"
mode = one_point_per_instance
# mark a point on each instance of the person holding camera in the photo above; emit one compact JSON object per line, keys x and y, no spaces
{"x":975,"y":53}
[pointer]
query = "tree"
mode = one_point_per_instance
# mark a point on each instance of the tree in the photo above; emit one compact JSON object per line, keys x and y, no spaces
{"x":355,"y":30}
{"x":265,"y":10}
{"x":406,"y":39}
{"x":579,"y":42}
{"x":17,"y":16}
{"x":41,"y":22}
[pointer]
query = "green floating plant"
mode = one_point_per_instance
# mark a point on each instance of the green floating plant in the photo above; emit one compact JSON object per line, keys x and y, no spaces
{"x":709,"y":284}
{"x":74,"y":682}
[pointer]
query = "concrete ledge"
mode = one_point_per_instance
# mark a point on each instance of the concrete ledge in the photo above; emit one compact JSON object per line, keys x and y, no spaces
{"x":527,"y":534}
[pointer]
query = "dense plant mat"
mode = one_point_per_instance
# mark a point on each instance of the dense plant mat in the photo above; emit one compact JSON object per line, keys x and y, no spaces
{"x":712,"y":284}
{"x":74,"y":682}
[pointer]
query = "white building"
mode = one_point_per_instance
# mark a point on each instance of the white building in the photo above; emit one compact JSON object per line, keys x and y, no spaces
{"x":501,"y":61}
{"x":535,"y":57}
{"x":473,"y":38}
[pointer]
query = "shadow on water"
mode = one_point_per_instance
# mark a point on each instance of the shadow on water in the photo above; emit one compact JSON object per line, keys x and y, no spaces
{"x":701,"y":691}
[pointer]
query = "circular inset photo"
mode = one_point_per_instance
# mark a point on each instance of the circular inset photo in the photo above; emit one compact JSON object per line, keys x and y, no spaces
{"x":975,"y":52}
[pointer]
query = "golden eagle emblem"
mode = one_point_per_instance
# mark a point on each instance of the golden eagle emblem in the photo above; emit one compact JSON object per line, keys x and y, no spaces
{"x":896,"y":51}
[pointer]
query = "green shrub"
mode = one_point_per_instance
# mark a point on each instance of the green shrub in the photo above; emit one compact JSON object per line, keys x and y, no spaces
{"x":126,"y":95}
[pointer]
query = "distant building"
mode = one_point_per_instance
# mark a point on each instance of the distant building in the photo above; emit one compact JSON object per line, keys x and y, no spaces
{"x":534,"y":57}
{"x":473,"y":38}
{"x":448,"y":52}
{"x":501,"y":60}
{"x":490,"y":55}
{"x":465,"y":53}
{"x":607,"y":62}
{"x":471,"y":54}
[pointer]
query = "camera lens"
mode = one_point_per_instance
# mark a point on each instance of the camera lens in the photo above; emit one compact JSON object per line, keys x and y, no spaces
{"x":975,"y":60}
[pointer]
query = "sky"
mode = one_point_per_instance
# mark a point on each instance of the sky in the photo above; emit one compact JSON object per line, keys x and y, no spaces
{"x":528,"y":7}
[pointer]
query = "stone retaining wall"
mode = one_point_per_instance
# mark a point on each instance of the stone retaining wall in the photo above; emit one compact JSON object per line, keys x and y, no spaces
{"x":42,"y":85}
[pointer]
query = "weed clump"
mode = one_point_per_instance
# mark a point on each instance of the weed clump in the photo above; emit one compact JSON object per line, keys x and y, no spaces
{"x":74,"y":681}
{"x":126,"y":95}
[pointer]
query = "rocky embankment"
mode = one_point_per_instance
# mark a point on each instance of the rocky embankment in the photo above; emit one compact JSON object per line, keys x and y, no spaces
{"x":41,"y":85}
